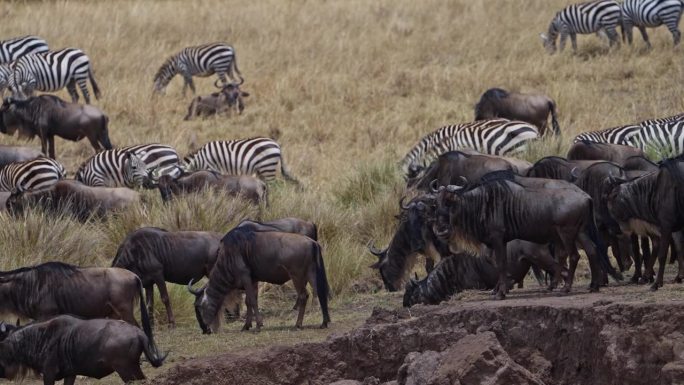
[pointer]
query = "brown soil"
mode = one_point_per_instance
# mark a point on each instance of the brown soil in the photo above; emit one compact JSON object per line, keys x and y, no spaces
{"x":621,"y":336}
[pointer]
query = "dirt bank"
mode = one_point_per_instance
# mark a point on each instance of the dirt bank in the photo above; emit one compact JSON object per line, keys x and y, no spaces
{"x":529,"y":339}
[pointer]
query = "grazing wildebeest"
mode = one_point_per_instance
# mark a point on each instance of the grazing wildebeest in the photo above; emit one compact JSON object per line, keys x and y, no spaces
{"x":47,"y":116}
{"x":414,"y":235}
{"x":247,"y":257}
{"x":450,"y":166}
{"x":248,"y":187}
{"x":500,"y":210}
{"x":65,"y":347}
{"x":652,"y":205}
{"x":555,"y":167}
{"x":158,"y":256}
{"x":465,"y":271}
{"x":53,"y":288}
{"x":587,"y":150}
{"x":229,"y":97}
{"x":81,"y":201}
{"x":531,"y":108}
{"x":12,"y":154}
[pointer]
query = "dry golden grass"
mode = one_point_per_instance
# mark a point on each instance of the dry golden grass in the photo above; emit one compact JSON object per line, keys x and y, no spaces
{"x":347,"y":87}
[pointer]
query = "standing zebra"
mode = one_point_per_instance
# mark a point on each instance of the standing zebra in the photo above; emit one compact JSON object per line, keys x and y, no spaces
{"x":614,"y":135}
{"x":665,"y":138}
{"x":13,"y":49}
{"x":52,"y":71}
{"x":128,"y":166}
{"x":583,"y":18}
{"x":651,"y":13}
{"x":31,"y":175}
{"x":493,"y":136}
{"x":251,"y":156}
{"x":204,"y":60}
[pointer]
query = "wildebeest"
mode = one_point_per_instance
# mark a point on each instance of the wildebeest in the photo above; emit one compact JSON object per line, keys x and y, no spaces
{"x":555,"y":167}
{"x":639,"y":163}
{"x":47,"y":116}
{"x":65,"y":347}
{"x":500,"y":210}
{"x":11,"y":154}
{"x":587,"y":150}
{"x":531,"y":108}
{"x":216,"y":103}
{"x":449,"y":167}
{"x":247,"y":257}
{"x":285,"y":225}
{"x":73,"y":197}
{"x":158,"y":256}
{"x":53,"y":288}
{"x":464,"y":271}
{"x":248,"y":187}
{"x":652,"y":205}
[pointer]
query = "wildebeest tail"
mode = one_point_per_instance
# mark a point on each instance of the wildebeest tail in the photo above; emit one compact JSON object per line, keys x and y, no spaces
{"x":601,"y":248}
{"x":315,"y":232}
{"x":554,"y":118}
{"x":150,"y":348}
{"x":322,"y":287}
{"x":538,"y":274}
{"x":104,"y":133}
{"x":96,"y":89}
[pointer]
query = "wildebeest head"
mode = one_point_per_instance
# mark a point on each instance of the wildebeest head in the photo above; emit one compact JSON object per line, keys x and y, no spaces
{"x":10,"y":121}
{"x":200,"y":296}
{"x":412,"y":292}
{"x":409,"y":239}
{"x":6,"y":329}
{"x":233,"y":95}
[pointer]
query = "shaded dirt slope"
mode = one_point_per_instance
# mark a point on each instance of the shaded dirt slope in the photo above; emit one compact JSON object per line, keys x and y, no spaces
{"x":609,"y":338}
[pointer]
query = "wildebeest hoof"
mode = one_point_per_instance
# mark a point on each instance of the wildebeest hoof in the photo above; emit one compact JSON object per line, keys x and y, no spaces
{"x":246,"y":327}
{"x":635,"y":279}
{"x":644,"y":280}
{"x":172,"y":325}
{"x":324,"y":325}
{"x":654,"y":287}
{"x":593,"y":289}
{"x":677,"y":279}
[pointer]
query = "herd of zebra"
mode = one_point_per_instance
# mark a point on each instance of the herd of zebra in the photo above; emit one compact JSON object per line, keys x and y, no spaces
{"x":604,"y":17}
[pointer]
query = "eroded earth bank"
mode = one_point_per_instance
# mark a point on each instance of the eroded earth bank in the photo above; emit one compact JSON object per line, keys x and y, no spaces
{"x":528,"y":339}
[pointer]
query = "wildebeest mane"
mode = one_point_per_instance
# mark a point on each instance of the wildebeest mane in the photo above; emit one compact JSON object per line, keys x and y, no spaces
{"x":132,"y":253}
{"x":44,"y":269}
{"x":498,"y":175}
{"x":670,"y":164}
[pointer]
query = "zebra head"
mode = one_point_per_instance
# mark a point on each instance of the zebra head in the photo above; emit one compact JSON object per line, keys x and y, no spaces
{"x":134,"y":171}
{"x":549,"y":38}
{"x":164,"y":75}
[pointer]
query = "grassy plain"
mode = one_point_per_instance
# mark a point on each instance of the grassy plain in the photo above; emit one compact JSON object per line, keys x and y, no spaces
{"x":346,"y":87}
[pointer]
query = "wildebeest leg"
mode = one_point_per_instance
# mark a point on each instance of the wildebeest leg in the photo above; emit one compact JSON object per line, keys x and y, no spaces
{"x":638,"y":260}
{"x":678,"y":240}
{"x":250,"y":302}
{"x":94,"y":142}
{"x":71,"y":87}
{"x":649,"y":262}
{"x":69,"y":380}
{"x":129,"y":372}
{"x":594,"y":266}
{"x":164,"y":294}
{"x":501,"y":264}
{"x":51,"y":146}
{"x":149,"y":301}
{"x":617,"y":254}
{"x":663,"y":246}
{"x":302,"y":298}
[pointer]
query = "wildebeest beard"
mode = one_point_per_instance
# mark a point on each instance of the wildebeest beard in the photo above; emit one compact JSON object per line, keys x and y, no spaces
{"x":31,"y":284}
{"x":234,"y":246}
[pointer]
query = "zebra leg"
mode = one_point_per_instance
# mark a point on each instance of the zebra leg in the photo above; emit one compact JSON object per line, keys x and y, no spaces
{"x":563,"y":38}
{"x":84,"y":89}
{"x":71,"y":87}
{"x":612,"y":36}
{"x":674,"y":30}
{"x":187,"y":78}
{"x":627,"y":31}
{"x":573,"y":41}
{"x":642,"y":29}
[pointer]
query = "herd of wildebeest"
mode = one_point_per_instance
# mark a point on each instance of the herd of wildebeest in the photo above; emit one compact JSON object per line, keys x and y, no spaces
{"x":481,"y":218}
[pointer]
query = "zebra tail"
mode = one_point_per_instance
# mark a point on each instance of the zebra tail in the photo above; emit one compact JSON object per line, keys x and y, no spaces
{"x":554,"y":118}
{"x":285,"y":172}
{"x":96,"y":89}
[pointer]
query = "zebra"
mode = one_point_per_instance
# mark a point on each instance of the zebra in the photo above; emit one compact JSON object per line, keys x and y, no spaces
{"x":667,"y":138}
{"x":13,"y":49}
{"x":251,"y":156}
{"x":492,"y":136}
{"x":51,"y":71}
{"x":5,"y":74}
{"x":129,"y":166}
{"x":614,"y":135}
{"x":31,"y":175}
{"x":584,"y":18}
{"x":651,"y":13}
{"x":203,"y":60}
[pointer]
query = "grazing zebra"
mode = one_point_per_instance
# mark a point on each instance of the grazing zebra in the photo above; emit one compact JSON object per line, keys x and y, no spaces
{"x":614,"y":135}
{"x":493,"y":136}
{"x":31,"y":175}
{"x":583,"y":18}
{"x":204,"y":60}
{"x":128,"y":166}
{"x":251,"y":156}
{"x":5,"y":74}
{"x":52,"y":71}
{"x":651,"y":13}
{"x":13,"y":49}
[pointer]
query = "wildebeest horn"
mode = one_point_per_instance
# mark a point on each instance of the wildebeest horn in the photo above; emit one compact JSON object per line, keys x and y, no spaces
{"x":373,"y":250}
{"x":452,"y":188}
{"x":216,"y":84}
{"x":401,"y":203}
{"x":192,"y":290}
{"x":242,"y":80}
{"x":434,"y":186}
{"x":573,"y":172}
{"x":463,"y":180}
